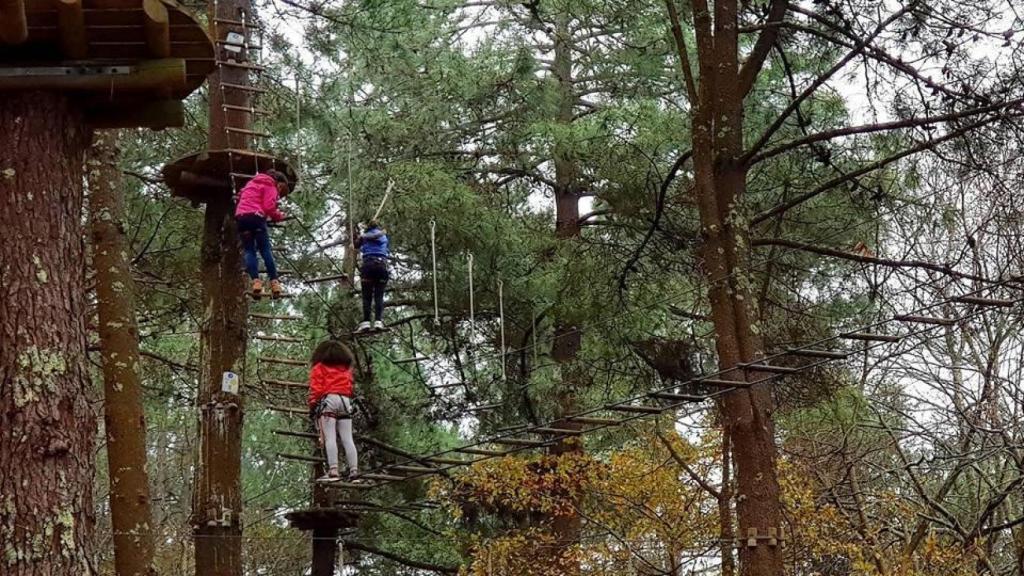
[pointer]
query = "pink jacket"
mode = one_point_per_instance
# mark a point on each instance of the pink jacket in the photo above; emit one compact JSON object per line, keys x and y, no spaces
{"x":259,"y":196}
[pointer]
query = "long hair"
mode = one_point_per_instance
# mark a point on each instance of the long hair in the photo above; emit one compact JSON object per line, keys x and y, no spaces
{"x":332,"y":353}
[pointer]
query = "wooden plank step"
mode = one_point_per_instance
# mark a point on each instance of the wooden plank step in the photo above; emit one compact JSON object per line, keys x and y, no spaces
{"x":484,"y":408}
{"x":296,"y":434}
{"x":247,"y":110}
{"x":447,"y":461}
{"x":289,"y":410}
{"x":769,"y":368}
{"x":241,"y":65}
{"x":244,"y":88}
{"x":822,"y":354}
{"x":924,"y":319}
{"x":382,"y":477}
{"x":248,"y":24}
{"x":247,"y":132}
{"x":285,"y":361}
{"x":301,"y":458}
{"x":415,"y":469}
{"x":349,"y":485}
{"x":262,"y":316}
{"x":331,"y":278}
{"x":286,"y":384}
{"x":594,"y":420}
{"x":674,"y":397}
{"x":870,"y":337}
{"x":998,"y":302}
{"x":480,"y":451}
{"x":452,"y":385}
{"x":411,"y":360}
{"x":275,"y":338}
{"x":520,"y":442}
{"x":635,"y":409}
{"x":723,"y":382}
{"x":554,"y":431}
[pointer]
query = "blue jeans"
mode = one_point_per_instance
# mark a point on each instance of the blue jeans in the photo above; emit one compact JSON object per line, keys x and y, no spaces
{"x":252,"y":228}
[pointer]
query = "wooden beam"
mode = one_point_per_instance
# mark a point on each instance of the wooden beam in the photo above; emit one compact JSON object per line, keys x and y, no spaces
{"x":150,"y":76}
{"x":158,"y":29}
{"x":71,"y":27}
{"x":155,"y":115}
{"x":13,"y":24}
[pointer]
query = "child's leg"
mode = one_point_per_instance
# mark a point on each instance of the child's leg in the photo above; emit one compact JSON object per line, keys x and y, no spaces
{"x":378,"y":298}
{"x":366,"y":283}
{"x":252,"y":265}
{"x":262,"y":236}
{"x":347,"y":438}
{"x":329,"y":427}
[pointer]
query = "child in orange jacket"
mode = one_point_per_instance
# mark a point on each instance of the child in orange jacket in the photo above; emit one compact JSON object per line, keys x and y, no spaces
{"x":330,"y":400}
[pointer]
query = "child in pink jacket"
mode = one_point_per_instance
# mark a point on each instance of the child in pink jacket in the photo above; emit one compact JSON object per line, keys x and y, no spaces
{"x":257,"y":204}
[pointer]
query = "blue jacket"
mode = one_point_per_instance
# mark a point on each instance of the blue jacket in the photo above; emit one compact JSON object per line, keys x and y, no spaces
{"x":374,"y":242}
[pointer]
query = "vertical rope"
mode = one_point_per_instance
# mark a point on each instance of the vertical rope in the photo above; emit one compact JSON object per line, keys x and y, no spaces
{"x":433,"y":259}
{"x":534,"y":334}
{"x":501,"y":320}
{"x":298,"y":125}
{"x":472,"y":314}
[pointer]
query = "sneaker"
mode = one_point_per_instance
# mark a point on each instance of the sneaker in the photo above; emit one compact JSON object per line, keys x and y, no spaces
{"x":353,"y":477}
{"x":257,"y":288}
{"x":275,"y":288}
{"x":379,"y":325}
{"x":331,"y":476}
{"x":363,"y":327}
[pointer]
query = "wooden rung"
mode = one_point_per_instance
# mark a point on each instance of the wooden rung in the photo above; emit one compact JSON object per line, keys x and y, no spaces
{"x":301,"y":458}
{"x":246,"y":131}
{"x":247,"y":110}
{"x":636,"y":409}
{"x":447,"y":461}
{"x":326,"y":279}
{"x":382,"y":477}
{"x":520,"y":442}
{"x":823,"y":354}
{"x":289,"y":410}
{"x":924,"y":320}
{"x":295,"y":434}
{"x":262,"y":316}
{"x":244,"y":88}
{"x":243,"y":65}
{"x":672,"y":396}
{"x":771,"y":369}
{"x":984,"y":301}
{"x":349,"y":485}
{"x":484,"y":408}
{"x":442,"y":386}
{"x":869,"y":337}
{"x":414,"y":469}
{"x":285,"y":361}
{"x":274,"y":338}
{"x":553,"y":431}
{"x":594,"y":421}
{"x":248,"y":24}
{"x":723,"y":382}
{"x":286,"y":383}
{"x":411,"y":360}
{"x":480,"y":451}
{"x":240,"y":176}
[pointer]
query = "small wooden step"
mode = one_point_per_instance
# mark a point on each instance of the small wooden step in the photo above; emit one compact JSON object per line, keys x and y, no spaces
{"x":442,"y":386}
{"x":296,"y":434}
{"x":480,"y":451}
{"x":594,"y":420}
{"x":635,"y":408}
{"x":924,"y":320}
{"x":301,"y":458}
{"x":979,"y":301}
{"x":246,"y":131}
{"x":674,"y":397}
{"x":411,"y":360}
{"x":332,"y":278}
{"x":247,"y":110}
{"x":870,"y":337}
{"x":349,"y":485}
{"x":290,"y":410}
{"x":382,"y":477}
{"x":484,"y":407}
{"x":241,"y":65}
{"x":447,"y":461}
{"x":520,"y":442}
{"x":286,"y":384}
{"x":244,"y":88}
{"x":370,"y":332}
{"x":769,"y":368}
{"x":285,"y":361}
{"x":415,"y":469}
{"x":553,"y":431}
{"x":275,"y":338}
{"x":822,"y":354}
{"x":248,"y":25}
{"x":724,"y":383}
{"x":262,"y":316}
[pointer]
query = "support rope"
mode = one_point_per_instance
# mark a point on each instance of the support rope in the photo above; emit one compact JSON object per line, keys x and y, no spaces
{"x":501,"y":320}
{"x":433,"y":260}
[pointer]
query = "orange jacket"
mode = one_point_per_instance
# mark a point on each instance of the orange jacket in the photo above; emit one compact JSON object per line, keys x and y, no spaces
{"x":324,"y":380}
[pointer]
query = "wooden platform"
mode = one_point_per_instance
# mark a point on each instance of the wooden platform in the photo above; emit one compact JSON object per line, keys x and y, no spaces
{"x":314,"y":518}
{"x":204,"y":175}
{"x":130,"y":62}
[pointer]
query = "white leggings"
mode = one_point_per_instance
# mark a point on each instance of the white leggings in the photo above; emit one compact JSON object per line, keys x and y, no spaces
{"x":332,"y":429}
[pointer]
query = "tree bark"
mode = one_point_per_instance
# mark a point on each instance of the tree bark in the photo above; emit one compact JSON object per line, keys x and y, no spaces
{"x":124,"y":416}
{"x":47,"y":426}
{"x":325,"y":551}
{"x":217,"y":495}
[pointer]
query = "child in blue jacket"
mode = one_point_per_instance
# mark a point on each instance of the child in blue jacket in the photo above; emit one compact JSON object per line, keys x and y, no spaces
{"x":373,"y":273}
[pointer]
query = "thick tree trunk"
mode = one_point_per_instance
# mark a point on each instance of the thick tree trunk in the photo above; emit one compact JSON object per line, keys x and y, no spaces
{"x":124,"y":417}
{"x":325,"y":551}
{"x":47,"y":426}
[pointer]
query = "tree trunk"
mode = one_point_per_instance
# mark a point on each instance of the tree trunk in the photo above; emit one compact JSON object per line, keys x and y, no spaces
{"x":124,"y":417}
{"x":47,"y":426}
{"x":325,"y":551}
{"x":567,"y":337}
